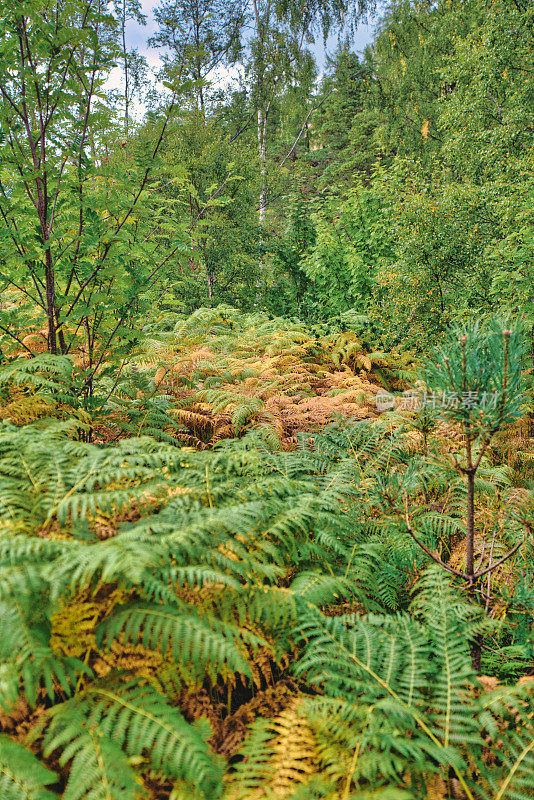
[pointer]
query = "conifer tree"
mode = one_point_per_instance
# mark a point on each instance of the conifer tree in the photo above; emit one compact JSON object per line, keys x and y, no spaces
{"x":476,"y":383}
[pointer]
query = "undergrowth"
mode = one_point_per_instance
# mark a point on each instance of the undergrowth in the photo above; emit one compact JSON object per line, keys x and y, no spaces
{"x":220,"y":372}
{"x":253,"y":618}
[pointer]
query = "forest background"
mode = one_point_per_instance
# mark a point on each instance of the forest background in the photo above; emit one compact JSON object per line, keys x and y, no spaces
{"x":398,"y":186}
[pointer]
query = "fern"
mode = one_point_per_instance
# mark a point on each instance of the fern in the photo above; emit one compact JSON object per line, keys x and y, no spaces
{"x":46,"y":375}
{"x":320,"y":589}
{"x":44,"y":475}
{"x":24,"y":648}
{"x":214,"y":577}
{"x":137,"y":720}
{"x":100,"y":769}
{"x":278,"y":757}
{"x":421,"y":678}
{"x":193,"y":638}
{"x":508,"y":716}
{"x":224,"y":372}
{"x":22,"y":776}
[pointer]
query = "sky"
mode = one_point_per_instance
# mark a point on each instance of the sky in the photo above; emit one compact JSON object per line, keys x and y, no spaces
{"x":138,"y":35}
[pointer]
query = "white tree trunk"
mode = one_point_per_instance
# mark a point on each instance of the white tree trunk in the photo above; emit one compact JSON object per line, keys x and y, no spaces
{"x":262,"y":136}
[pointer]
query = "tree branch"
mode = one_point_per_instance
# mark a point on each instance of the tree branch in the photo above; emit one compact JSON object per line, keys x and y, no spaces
{"x":297,"y":140}
{"x":508,"y":555}
{"x":427,"y":550}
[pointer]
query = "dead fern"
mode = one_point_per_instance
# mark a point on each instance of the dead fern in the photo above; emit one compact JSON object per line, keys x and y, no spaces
{"x":225,"y":372}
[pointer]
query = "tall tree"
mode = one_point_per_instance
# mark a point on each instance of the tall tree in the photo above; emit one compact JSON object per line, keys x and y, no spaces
{"x":457,"y":96}
{"x":200,"y":36}
{"x":277,"y":48}
{"x":210,"y":184}
{"x":345,"y":125}
{"x":133,"y":64}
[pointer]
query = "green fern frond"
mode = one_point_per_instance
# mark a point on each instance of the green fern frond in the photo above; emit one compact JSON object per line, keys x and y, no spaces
{"x":139,"y":721}
{"x":49,"y":375}
{"x":194,"y":639}
{"x":100,"y":770}
{"x":24,"y":643}
{"x":22,"y":776}
{"x":321,"y":589}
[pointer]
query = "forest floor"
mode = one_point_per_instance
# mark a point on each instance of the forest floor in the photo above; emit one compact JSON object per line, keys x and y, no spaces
{"x":209,"y":582}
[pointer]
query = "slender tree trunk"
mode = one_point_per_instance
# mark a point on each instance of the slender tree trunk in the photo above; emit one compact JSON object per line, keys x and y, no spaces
{"x":42,"y":211}
{"x":60,"y":335}
{"x":262,"y":134}
{"x":530,"y":423}
{"x":263,"y":109}
{"x":198,"y":75}
{"x":475,"y":644}
{"x":126,"y":72}
{"x":209,"y":281}
{"x":50,"y":302}
{"x":470,"y":545}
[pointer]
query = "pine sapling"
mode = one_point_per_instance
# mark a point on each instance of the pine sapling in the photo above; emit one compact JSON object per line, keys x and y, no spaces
{"x":475,"y":382}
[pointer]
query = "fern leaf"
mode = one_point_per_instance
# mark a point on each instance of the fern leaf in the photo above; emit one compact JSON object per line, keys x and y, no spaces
{"x":320,"y":589}
{"x":100,"y":770}
{"x":22,"y":776}
{"x":510,"y":723}
{"x":139,"y":721}
{"x":190,"y":637}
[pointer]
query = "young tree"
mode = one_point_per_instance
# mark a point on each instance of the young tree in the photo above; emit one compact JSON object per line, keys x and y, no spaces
{"x":276,"y":50}
{"x":454,"y":90}
{"x":76,"y":222}
{"x":134,"y":66}
{"x":224,"y":237}
{"x":52,"y":58}
{"x":476,"y":381}
{"x":345,"y":123}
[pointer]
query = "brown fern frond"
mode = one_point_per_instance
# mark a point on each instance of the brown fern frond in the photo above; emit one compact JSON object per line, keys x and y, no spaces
{"x":231,"y":731}
{"x":294,"y":750}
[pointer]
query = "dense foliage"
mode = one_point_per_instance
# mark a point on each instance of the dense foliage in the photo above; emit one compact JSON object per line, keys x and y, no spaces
{"x":266,"y":507}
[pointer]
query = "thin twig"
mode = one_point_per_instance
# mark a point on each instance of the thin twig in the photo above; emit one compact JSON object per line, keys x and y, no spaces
{"x":488,"y":589}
